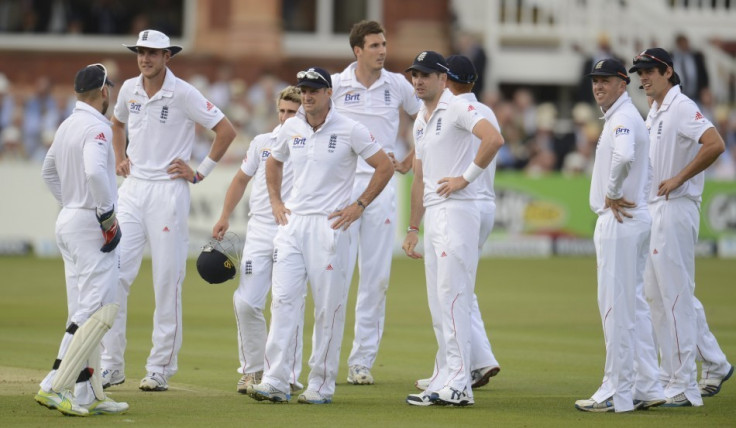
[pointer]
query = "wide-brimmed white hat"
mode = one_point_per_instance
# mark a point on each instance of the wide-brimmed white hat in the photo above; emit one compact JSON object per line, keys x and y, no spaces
{"x":154,"y":40}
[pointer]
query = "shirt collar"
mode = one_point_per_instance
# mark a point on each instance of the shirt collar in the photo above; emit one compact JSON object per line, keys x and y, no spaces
{"x":622,"y":99}
{"x":82,"y":106}
{"x":303,"y":116}
{"x":468,"y":96}
{"x":349,"y":76}
{"x":668,"y":99}
{"x":167,"y":89}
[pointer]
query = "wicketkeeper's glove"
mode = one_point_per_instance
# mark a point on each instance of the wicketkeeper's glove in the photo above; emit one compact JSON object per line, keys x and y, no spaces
{"x":110,"y":230}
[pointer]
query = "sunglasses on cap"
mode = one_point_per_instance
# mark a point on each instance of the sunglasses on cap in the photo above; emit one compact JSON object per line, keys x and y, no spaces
{"x":104,"y":78}
{"x":312,"y":75}
{"x":644,"y":57}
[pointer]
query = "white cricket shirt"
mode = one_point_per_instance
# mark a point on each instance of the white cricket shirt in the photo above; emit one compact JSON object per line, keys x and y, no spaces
{"x":675,"y":128}
{"x":444,"y":144}
{"x":79,"y":168}
{"x":323,"y":162}
{"x":161,"y":128}
{"x":376,"y":107}
{"x":486,"y":180}
{"x":622,"y":167}
{"x":254,"y":165}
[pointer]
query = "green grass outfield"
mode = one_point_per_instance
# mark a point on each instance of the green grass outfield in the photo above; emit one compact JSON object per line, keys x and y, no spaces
{"x":541,"y":315}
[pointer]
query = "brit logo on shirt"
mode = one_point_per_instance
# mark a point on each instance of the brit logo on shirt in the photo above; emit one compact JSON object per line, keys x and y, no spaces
{"x":265,"y":153}
{"x":134,"y":107}
{"x":351,"y":98}
{"x":248,"y":267}
{"x":164,"y":114}
{"x":332,"y":144}
{"x":299,"y":142}
{"x":621,"y":130}
{"x":387,"y":97}
{"x":439,"y":127}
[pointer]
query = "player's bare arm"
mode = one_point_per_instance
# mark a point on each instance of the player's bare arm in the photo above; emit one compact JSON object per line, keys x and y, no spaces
{"x":233,"y":196}
{"x":712,"y":147}
{"x":417,"y":212}
{"x":404,"y":166}
{"x":618,"y":208}
{"x":490,"y":142}
{"x":224,"y":135}
{"x":122,"y":163}
{"x":383,"y":171}
{"x":274,"y":175}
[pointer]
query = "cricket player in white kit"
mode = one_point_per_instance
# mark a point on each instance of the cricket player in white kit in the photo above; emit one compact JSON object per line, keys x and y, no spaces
{"x":79,"y":170}
{"x":373,"y":96}
{"x":461,"y":77}
{"x":618,"y":194}
{"x":683,"y":143}
{"x":256,"y":264}
{"x":446,"y":167}
{"x":312,"y":241}
{"x":160,"y":111}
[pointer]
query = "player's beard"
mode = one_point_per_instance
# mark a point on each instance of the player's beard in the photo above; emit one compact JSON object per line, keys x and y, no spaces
{"x":105,"y":105}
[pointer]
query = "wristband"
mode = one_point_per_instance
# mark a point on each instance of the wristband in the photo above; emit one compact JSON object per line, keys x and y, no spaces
{"x":412,"y":229}
{"x":472,"y":172}
{"x":360,"y":204}
{"x":197,"y":177}
{"x":206,"y":167}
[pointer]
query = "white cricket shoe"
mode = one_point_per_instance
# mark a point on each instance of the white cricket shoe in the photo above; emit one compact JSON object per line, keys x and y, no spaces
{"x":422,"y":399}
{"x":647,"y":404}
{"x":482,"y":375}
{"x":422,"y":384}
{"x":106,"y":407}
{"x":591,"y":405}
{"x":265,"y":391}
{"x":249,"y":379}
{"x":452,"y":397}
{"x":154,"y":382}
{"x":314,"y":397}
{"x":679,"y":400}
{"x":711,"y":387}
{"x":61,"y":401}
{"x":112,"y":377}
{"x":360,"y":375}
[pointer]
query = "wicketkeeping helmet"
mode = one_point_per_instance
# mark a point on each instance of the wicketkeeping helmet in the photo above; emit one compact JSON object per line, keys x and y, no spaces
{"x":218,"y":260}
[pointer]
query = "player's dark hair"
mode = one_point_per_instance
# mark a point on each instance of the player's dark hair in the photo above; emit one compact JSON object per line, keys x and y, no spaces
{"x":362,"y":29}
{"x":663,"y":69}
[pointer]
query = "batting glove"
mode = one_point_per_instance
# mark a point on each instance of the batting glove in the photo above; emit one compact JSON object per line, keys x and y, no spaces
{"x":110,"y":230}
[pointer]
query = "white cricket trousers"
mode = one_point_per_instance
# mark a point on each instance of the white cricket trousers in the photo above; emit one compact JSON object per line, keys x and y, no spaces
{"x":631,"y":359}
{"x":91,"y":280}
{"x":670,"y":288}
{"x":481,"y":354}
{"x":249,"y":299}
{"x":157,"y":213}
{"x":308,"y":249}
{"x":451,"y":231}
{"x":715,"y":364}
{"x":372,"y":241}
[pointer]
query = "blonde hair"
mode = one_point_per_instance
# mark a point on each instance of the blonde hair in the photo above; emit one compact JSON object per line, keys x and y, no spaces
{"x":290,"y":93}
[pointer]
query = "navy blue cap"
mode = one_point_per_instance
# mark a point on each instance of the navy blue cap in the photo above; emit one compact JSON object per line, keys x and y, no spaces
{"x":91,"y":77}
{"x":462,"y":69}
{"x":610,"y":67}
{"x":314,"y":77}
{"x":429,"y":62}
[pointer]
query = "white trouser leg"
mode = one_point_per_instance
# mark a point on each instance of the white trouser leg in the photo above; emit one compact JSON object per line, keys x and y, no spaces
{"x":130,"y":250}
{"x":448,"y":226}
{"x":375,"y":243}
{"x":672,"y":257}
{"x":166,"y":221}
{"x":619,"y":250}
{"x":647,"y":385}
{"x":480,"y":346}
{"x":287,"y":299}
{"x":715,"y":364}
{"x":249,"y":298}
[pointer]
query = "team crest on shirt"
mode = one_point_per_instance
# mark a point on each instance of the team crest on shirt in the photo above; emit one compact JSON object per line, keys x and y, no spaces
{"x":299,"y":142}
{"x":387,"y":97}
{"x":265,"y":153}
{"x":621,"y":130}
{"x":351,"y":98}
{"x":699,"y":116}
{"x":439,"y":127}
{"x":164,"y":114}
{"x":332,"y":144}
{"x":248,"y":267}
{"x":659,"y":128}
{"x":134,"y":106}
